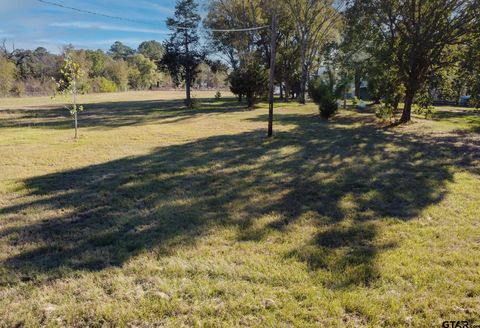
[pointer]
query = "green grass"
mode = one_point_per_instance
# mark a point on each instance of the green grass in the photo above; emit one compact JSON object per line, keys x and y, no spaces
{"x":451,"y":118}
{"x":171,"y":217}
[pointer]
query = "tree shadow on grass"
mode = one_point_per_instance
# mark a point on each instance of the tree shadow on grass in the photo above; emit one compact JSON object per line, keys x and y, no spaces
{"x":116,"y":114}
{"x":349,"y":177}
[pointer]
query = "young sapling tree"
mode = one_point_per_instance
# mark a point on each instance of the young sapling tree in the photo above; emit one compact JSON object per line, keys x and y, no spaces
{"x":67,"y":86}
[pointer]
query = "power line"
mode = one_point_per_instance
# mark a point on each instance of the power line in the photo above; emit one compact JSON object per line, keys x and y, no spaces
{"x":92,"y":12}
{"x":241,"y":29}
{"x":142,"y":22}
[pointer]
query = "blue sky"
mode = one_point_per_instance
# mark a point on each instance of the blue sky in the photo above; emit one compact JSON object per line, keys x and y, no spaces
{"x":30,"y":24}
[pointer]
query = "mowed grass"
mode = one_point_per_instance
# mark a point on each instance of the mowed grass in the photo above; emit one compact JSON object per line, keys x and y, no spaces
{"x":163,"y":216}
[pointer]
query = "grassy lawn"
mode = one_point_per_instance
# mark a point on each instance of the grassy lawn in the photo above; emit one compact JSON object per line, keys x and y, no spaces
{"x":162,"y":216}
{"x":451,"y":118}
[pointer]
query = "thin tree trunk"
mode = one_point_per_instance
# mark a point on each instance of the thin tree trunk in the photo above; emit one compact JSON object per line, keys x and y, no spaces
{"x":357,"y":83}
{"x":250,"y":101}
{"x":188,"y":78}
{"x":272,"y":74}
{"x":287,"y":92}
{"x":75,"y":107}
{"x":76,"y":125}
{"x":188,"y":86}
{"x":303,"y":82}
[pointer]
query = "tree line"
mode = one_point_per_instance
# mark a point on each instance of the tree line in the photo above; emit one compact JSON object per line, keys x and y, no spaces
{"x":34,"y":72}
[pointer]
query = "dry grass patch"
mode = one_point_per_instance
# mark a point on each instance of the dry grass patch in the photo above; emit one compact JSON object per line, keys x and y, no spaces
{"x":162,"y":216}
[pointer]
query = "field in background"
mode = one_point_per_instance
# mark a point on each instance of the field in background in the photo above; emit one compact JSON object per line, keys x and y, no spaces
{"x":165,"y":216}
{"x":6,"y":103}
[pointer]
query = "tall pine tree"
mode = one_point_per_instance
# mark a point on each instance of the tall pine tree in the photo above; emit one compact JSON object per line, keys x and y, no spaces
{"x":182,"y":54}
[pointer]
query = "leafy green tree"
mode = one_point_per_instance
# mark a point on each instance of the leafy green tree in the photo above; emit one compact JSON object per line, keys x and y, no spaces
{"x":118,"y":50}
{"x":315,"y":23}
{"x":325,"y":92}
{"x":249,"y":80}
{"x":152,"y":50}
{"x":234,"y":14}
{"x":211,"y":75}
{"x":143,"y":74}
{"x":413,"y":36}
{"x":79,"y":56}
{"x":288,"y":56}
{"x":98,"y":60}
{"x":117,"y":71}
{"x":101,"y":84}
{"x":35,"y":69}
{"x":384,"y":84}
{"x":67,"y":86}
{"x":7,"y":75}
{"x":182,"y":54}
{"x":470,"y":69}
{"x":38,"y":64}
{"x":44,"y":64}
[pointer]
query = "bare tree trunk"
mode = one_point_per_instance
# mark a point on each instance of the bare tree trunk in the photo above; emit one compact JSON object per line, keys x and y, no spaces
{"x":188,"y":91}
{"x":407,"y":110}
{"x":303,"y":82}
{"x":250,"y":101}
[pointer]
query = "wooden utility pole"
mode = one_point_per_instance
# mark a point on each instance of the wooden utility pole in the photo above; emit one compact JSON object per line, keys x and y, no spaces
{"x":272,"y":74}
{"x":75,"y":116}
{"x":188,"y":79}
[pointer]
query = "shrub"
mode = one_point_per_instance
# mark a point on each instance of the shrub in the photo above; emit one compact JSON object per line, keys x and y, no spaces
{"x":107,"y":85}
{"x":250,"y":80}
{"x":37,"y":87}
{"x":218,"y":95}
{"x":325,"y":95}
{"x":102,"y":85}
{"x":18,"y":89}
{"x":118,"y":71}
{"x":385,"y":112}
{"x":423,"y":104}
{"x":426,"y":110}
{"x":354,"y":102}
{"x":328,"y":107}
{"x":142,"y":73}
{"x":7,"y":75}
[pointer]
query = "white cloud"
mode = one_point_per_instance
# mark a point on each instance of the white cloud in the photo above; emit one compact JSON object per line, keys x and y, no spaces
{"x":107,"y":27}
